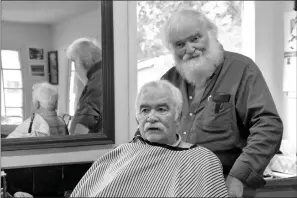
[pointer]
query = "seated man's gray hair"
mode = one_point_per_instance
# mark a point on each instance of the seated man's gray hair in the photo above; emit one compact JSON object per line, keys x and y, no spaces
{"x":87,"y":51}
{"x":173,"y":25}
{"x":46,"y":94}
{"x":161,"y":84}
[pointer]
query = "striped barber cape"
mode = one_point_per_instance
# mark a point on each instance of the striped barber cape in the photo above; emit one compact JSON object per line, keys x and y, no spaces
{"x":144,"y":169}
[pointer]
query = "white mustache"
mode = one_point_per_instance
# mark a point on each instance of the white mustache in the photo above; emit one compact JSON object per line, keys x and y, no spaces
{"x":196,"y":54}
{"x":156,"y":125}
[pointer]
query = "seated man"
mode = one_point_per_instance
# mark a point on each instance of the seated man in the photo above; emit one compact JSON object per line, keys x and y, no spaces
{"x":44,"y":122}
{"x":155,"y":163}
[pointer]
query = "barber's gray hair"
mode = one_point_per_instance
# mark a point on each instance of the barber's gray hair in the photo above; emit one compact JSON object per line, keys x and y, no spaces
{"x":46,"y":94}
{"x":173,"y":25}
{"x":87,"y":51}
{"x":162,"y":84}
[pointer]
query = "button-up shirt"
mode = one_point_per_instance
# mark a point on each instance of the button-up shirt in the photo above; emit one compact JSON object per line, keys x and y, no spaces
{"x":235,"y":117}
{"x":89,"y":107}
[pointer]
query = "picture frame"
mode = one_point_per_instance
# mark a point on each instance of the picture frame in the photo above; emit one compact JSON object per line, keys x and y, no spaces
{"x":53,"y":67}
{"x":35,"y":53}
{"x":37,"y":70}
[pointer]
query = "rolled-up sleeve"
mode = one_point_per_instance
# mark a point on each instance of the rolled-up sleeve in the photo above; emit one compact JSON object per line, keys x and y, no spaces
{"x":258,"y":114}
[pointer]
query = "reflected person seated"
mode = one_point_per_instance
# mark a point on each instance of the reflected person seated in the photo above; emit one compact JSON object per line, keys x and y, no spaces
{"x":44,"y":121}
{"x":156,"y":163}
{"x":86,"y":55}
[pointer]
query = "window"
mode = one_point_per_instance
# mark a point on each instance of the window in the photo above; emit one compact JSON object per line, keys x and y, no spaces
{"x":72,"y":95}
{"x":153,"y":59}
{"x":11,"y":88}
{"x":75,"y":89}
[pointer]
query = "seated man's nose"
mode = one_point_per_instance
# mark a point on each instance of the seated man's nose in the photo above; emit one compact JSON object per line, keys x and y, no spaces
{"x":152,"y":118}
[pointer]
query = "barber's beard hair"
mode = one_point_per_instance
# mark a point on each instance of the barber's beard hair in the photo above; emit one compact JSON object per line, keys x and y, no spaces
{"x":197,"y":70}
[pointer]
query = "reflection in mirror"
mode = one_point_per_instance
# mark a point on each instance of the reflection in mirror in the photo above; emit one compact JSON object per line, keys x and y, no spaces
{"x":40,"y":88}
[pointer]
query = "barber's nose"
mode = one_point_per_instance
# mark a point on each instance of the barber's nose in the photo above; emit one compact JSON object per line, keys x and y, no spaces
{"x":190,"y":48}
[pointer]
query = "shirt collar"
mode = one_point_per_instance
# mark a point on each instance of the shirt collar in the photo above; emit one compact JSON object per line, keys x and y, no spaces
{"x":177,"y":142}
{"x":93,"y":69}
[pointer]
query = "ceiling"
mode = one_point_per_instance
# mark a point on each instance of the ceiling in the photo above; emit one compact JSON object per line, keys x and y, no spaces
{"x":44,"y":12}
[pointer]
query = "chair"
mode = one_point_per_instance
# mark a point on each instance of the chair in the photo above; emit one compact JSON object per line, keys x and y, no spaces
{"x":66,"y":117}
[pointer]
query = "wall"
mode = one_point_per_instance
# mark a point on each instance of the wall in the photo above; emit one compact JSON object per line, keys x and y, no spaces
{"x":267,"y":42}
{"x":289,"y":103}
{"x":17,"y":36}
{"x":269,"y":55}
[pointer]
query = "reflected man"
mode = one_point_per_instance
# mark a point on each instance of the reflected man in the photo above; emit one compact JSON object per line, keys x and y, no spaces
{"x":86,"y":55}
{"x":44,"y":121}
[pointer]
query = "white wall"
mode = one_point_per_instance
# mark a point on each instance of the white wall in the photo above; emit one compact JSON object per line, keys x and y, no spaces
{"x":269,"y":56}
{"x":17,"y":36}
{"x":268,"y":47}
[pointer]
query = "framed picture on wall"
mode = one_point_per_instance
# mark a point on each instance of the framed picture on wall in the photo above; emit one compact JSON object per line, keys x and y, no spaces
{"x":53,"y":69}
{"x":37,"y":70}
{"x":36,"y":53}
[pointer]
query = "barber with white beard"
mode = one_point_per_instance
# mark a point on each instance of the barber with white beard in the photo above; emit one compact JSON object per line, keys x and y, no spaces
{"x":87,"y":56}
{"x":227,"y":105}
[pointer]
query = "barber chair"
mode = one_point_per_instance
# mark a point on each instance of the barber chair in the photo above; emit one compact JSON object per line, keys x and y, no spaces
{"x":67,"y":119}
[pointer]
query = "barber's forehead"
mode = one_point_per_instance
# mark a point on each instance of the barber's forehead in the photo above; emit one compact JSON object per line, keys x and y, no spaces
{"x":184,"y":26}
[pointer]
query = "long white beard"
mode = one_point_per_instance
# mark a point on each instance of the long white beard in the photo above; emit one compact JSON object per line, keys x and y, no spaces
{"x":197,"y":70}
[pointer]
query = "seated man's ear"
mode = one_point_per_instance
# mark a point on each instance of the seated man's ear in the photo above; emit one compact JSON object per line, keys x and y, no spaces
{"x":137,"y":131}
{"x":179,"y":118}
{"x":36,"y":105}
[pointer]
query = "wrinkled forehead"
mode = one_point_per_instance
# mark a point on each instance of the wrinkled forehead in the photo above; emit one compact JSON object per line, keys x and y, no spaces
{"x":154,"y":96}
{"x":182,"y":26}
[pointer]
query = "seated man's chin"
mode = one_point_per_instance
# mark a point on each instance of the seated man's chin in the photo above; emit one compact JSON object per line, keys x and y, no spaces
{"x":153,"y":137}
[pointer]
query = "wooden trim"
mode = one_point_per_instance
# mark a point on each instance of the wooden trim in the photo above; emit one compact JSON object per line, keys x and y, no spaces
{"x":108,"y":136}
{"x":108,"y":68}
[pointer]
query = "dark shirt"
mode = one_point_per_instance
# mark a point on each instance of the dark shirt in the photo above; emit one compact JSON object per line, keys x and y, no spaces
{"x":89,"y":106}
{"x":245,"y":131}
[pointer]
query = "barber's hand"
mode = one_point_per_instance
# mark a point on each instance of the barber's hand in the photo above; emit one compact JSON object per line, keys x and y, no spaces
{"x":235,"y":186}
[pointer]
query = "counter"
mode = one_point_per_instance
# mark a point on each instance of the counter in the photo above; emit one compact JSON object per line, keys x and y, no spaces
{"x":279,"y":187}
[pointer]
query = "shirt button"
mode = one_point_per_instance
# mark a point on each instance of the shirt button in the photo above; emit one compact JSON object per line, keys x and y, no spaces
{"x":184,"y":133}
{"x":191,"y":114}
{"x":190,"y":97}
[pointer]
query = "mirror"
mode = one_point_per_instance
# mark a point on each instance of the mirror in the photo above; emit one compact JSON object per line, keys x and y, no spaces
{"x":34,"y":38}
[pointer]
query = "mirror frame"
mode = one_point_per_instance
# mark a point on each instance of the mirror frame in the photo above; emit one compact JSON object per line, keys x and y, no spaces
{"x":108,"y":100}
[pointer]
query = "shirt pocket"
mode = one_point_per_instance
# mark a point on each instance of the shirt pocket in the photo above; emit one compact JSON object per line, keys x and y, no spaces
{"x":216,"y":121}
